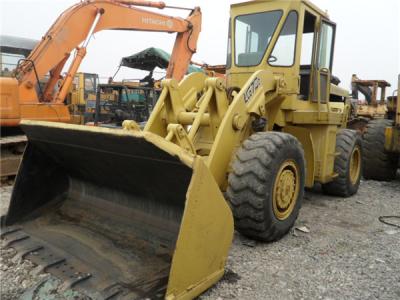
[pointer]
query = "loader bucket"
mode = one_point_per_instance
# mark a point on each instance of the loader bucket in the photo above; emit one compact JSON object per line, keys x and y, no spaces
{"x":117,"y":214}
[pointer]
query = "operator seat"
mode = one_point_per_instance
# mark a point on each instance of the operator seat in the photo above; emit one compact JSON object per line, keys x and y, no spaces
{"x":305,"y":75}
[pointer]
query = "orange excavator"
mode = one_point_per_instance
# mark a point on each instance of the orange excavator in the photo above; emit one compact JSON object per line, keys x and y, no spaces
{"x":27,"y":97}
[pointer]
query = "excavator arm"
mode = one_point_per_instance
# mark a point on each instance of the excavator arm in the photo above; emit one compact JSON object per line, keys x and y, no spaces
{"x":73,"y":30}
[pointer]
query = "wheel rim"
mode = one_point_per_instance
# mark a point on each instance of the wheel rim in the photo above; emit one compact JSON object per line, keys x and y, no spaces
{"x":286,"y":190}
{"x":355,"y":165}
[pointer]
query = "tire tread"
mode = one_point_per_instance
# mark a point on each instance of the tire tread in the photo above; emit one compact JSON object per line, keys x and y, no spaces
{"x":346,"y":140}
{"x":378,"y":163}
{"x":247,"y":183}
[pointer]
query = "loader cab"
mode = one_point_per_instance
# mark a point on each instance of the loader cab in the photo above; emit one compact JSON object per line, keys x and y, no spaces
{"x":83,"y":90}
{"x":293,"y":39}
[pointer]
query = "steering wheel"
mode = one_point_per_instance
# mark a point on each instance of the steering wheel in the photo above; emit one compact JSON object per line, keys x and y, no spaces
{"x":272,"y":59}
{"x":106,"y":106}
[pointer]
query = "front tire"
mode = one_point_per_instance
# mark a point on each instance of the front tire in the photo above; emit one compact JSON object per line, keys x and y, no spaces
{"x":266,"y":185}
{"x":348,"y":164}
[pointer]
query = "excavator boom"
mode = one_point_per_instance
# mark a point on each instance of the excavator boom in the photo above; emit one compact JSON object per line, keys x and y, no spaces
{"x":27,"y":99}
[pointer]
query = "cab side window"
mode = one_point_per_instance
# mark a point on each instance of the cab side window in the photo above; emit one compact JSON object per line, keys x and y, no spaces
{"x":326,"y":46}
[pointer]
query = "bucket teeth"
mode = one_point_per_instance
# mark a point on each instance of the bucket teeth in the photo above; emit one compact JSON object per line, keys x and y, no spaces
{"x":8,"y":230}
{"x":74,"y":280}
{"x":14,"y":237}
{"x":25,"y":252}
{"x":52,"y":263}
{"x":73,"y":273}
{"x":112,"y":291}
{"x":31,"y":250}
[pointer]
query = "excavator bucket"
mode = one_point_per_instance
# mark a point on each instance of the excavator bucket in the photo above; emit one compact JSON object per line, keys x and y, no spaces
{"x":117,"y":214}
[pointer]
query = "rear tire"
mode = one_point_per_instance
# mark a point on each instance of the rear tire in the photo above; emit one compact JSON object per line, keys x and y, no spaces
{"x":378,"y":163}
{"x":348,"y":164}
{"x":266,"y":185}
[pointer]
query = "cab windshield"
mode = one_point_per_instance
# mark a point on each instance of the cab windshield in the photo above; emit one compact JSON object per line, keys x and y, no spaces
{"x":253,"y":34}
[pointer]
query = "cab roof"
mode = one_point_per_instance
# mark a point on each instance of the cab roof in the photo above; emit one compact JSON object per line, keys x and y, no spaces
{"x":303,"y":2}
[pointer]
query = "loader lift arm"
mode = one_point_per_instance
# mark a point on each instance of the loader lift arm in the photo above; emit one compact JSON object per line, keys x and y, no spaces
{"x":75,"y":27}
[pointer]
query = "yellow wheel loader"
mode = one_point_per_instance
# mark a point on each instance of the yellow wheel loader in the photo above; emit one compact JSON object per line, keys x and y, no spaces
{"x":381,"y":142}
{"x":137,"y":214}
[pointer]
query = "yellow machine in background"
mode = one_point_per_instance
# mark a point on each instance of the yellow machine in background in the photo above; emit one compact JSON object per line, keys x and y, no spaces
{"x":382,"y":142}
{"x":158,"y":224}
{"x":83,"y":89}
{"x":116,"y":99}
{"x":374,"y":106}
{"x":120,"y":101}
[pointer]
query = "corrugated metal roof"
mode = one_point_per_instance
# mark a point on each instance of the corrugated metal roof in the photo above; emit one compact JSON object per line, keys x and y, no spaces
{"x":18,"y":43}
{"x":151,"y":58}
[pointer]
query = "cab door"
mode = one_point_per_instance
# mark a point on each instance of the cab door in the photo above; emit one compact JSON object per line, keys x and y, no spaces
{"x":323,"y":63}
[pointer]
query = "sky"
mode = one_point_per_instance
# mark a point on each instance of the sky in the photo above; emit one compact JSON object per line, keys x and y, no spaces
{"x":367,"y":37}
